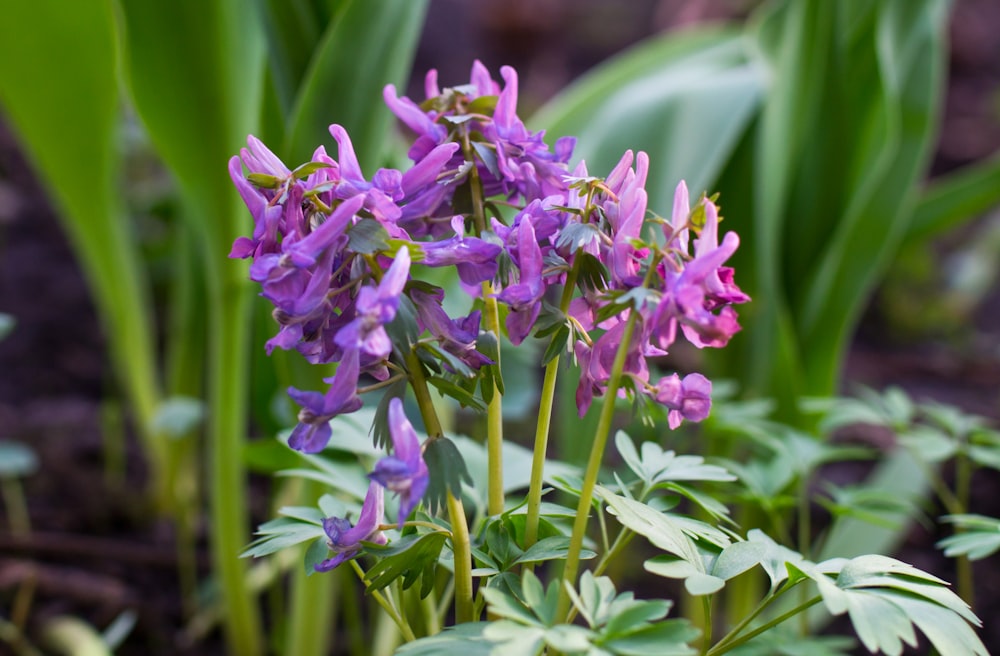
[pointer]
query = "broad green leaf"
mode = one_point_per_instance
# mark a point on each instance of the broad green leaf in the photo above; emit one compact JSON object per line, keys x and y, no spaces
{"x":366,"y":45}
{"x":293,"y":29}
{"x":55,"y":56}
{"x":685,"y":99}
{"x":952,"y":200}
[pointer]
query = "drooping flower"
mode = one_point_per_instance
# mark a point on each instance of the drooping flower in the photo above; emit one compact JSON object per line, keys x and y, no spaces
{"x":313,"y":432}
{"x":404,"y":472}
{"x":344,"y":539}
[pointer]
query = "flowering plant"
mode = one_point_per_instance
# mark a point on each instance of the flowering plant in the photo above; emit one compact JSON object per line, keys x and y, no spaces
{"x":543,"y":250}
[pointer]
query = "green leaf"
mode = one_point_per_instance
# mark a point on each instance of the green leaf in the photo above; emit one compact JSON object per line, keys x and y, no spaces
{"x":367,"y":236}
{"x":410,"y":558}
{"x":979,"y":537}
{"x":952,"y":200}
{"x":447,"y":471}
{"x":551,"y":548}
{"x":459,"y":640}
{"x":669,"y":638}
{"x":685,"y":99}
{"x":662,"y":531}
{"x":315,"y":554}
{"x":464,"y":397}
{"x":368,"y":44}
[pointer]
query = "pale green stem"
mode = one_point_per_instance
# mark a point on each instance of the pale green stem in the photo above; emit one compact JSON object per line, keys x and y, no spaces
{"x":494,"y":415}
{"x":963,"y":479}
{"x":18,"y":518}
{"x":543,"y":426}
{"x":538,"y":458}
{"x":460,"y":543}
{"x":593,"y":468}
{"x":491,"y":317}
{"x":386,"y":605}
{"x":725,"y":645}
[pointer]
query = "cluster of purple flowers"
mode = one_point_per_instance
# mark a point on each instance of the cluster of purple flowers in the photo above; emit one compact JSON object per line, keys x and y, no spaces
{"x":337,"y":255}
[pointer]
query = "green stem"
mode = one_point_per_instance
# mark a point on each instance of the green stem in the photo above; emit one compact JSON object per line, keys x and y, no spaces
{"x":460,"y":543}
{"x":387,"y":606}
{"x":725,"y":644}
{"x":494,"y":410}
{"x":593,"y":467}
{"x":963,"y":479}
{"x":494,"y":414}
{"x":544,"y":424}
{"x":18,"y":518}
{"x":538,"y":457}
{"x":228,"y":340}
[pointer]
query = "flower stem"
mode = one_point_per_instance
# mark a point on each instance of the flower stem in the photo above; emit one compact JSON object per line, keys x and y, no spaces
{"x":538,"y":458}
{"x":494,"y":410}
{"x":460,"y":542}
{"x":543,"y":426}
{"x":387,"y":606}
{"x":729,"y":643}
{"x":594,"y":466}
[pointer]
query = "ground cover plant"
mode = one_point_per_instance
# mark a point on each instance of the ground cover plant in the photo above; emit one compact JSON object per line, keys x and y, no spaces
{"x":491,"y":269}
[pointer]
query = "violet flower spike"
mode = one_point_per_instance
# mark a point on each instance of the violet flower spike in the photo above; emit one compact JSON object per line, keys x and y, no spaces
{"x":344,"y":540}
{"x":404,"y":472}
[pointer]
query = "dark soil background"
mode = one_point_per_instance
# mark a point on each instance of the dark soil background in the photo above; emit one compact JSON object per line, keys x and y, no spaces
{"x":95,"y":550}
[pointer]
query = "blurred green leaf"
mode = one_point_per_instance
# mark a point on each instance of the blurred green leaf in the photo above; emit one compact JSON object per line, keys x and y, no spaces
{"x":977,"y":537}
{"x":366,"y":45}
{"x":952,"y":200}
{"x":685,"y":99}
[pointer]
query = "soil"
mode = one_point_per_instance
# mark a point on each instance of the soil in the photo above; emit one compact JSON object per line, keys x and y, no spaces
{"x":96,"y":551}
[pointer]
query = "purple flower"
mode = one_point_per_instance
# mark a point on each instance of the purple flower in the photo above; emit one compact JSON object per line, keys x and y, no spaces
{"x":404,"y":472}
{"x":689,"y":399}
{"x":692,"y":296}
{"x":525,"y":298}
{"x":376,"y":307}
{"x":474,"y":258}
{"x":345,"y":540}
{"x":313,"y":430}
{"x":457,"y":336}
